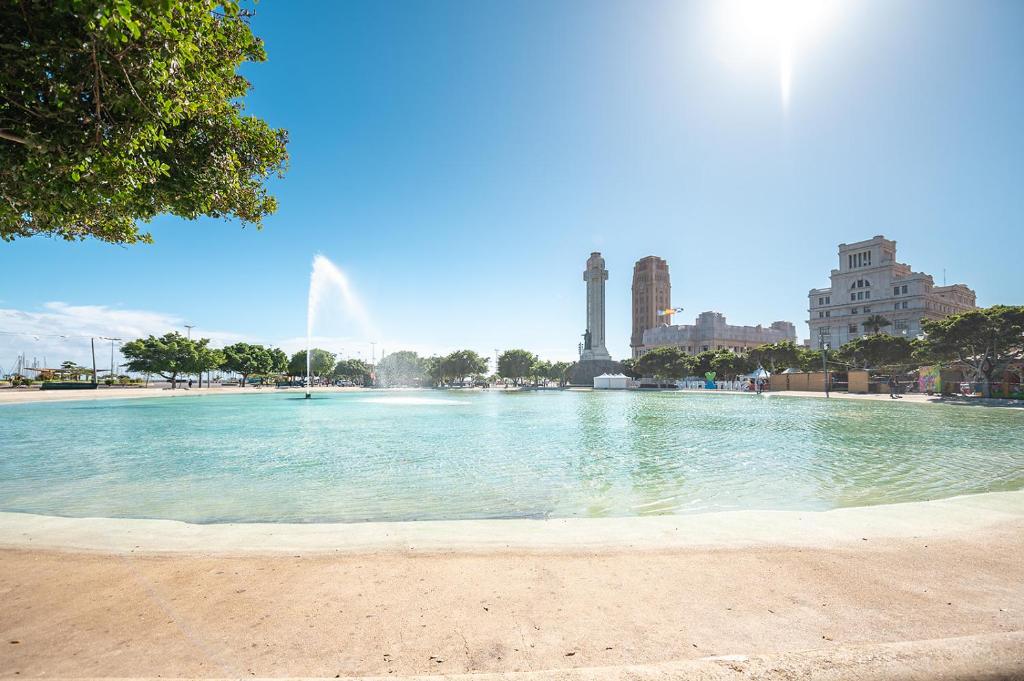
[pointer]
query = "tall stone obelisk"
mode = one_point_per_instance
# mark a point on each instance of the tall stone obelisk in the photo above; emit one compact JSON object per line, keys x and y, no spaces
{"x":593,"y":340}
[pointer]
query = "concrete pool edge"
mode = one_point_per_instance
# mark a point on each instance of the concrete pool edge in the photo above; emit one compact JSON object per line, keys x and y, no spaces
{"x":956,"y":516}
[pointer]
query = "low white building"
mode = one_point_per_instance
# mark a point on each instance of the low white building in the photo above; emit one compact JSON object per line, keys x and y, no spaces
{"x":611,"y":382}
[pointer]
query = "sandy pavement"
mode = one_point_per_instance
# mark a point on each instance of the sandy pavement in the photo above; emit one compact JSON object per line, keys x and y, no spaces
{"x":857,"y":608}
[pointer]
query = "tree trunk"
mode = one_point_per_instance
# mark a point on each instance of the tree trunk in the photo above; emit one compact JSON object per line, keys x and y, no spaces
{"x":244,"y":377}
{"x":174,"y":380}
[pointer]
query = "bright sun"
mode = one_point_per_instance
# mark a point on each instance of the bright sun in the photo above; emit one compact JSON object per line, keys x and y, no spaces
{"x":776,"y":28}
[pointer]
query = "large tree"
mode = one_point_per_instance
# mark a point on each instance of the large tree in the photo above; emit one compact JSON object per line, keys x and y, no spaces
{"x":463,"y":363}
{"x":876,"y":352}
{"x":985,"y":341}
{"x":402,"y":368}
{"x":540,"y":371}
{"x":665,"y":363}
{"x":559,"y":371}
{"x":321,"y":363}
{"x":203,"y":358}
{"x":116,"y":111}
{"x":168,"y":356}
{"x":354,"y":370}
{"x":777,"y":356}
{"x":279,"y":361}
{"x":727,"y":364}
{"x":246,"y":359}
{"x":515,"y":364}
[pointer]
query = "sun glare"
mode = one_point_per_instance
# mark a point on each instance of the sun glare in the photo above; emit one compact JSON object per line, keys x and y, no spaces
{"x":774,"y":29}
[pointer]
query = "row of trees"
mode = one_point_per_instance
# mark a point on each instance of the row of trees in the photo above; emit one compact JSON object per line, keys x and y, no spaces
{"x":986,"y":343}
{"x":406,"y":368}
{"x":173,"y":356}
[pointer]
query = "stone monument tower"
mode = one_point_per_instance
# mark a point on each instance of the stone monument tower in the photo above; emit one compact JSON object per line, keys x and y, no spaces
{"x":593,"y":339}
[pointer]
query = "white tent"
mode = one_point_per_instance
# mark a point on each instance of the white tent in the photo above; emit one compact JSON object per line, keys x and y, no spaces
{"x":757,"y":373}
{"x":611,"y":382}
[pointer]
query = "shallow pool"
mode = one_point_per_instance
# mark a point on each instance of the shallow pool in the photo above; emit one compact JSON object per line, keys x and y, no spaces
{"x":358,"y":456}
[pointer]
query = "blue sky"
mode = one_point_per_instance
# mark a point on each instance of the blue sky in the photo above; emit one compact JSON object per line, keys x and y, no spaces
{"x":460,"y":160}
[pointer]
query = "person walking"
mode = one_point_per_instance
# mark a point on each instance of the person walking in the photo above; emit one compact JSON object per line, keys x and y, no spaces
{"x":894,"y":387}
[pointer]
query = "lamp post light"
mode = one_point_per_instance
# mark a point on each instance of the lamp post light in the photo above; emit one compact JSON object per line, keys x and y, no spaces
{"x":189,"y":328}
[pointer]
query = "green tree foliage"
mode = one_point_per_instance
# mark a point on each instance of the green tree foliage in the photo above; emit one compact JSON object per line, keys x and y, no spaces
{"x":876,"y":323}
{"x":246,"y":360}
{"x":728,"y":365}
{"x":559,"y":371}
{"x":321,"y":363}
{"x":354,"y":370}
{"x":876,"y":352}
{"x":462,"y":363}
{"x":539,"y":371}
{"x":515,"y":365}
{"x":203,"y":358}
{"x":279,"y":361}
{"x":168,"y":356}
{"x":629,"y":368}
{"x":403,"y":368}
{"x":776,"y":357}
{"x":115,"y":111}
{"x":666,"y":363}
{"x":433,"y":369}
{"x":985,"y":341}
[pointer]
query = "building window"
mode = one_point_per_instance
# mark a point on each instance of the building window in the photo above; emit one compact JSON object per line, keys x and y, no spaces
{"x":895,"y":306}
{"x":867,"y":295}
{"x":901,"y":324}
{"x":853,"y":296}
{"x":853,"y":310}
{"x":828,"y":300}
{"x":828,"y":313}
{"x":895,"y":290}
{"x":866,"y":309}
{"x":860,"y":295}
{"x":821,"y":315}
{"x":852,"y":328}
{"x":904,"y":304}
{"x":821,"y":301}
{"x":903,"y":289}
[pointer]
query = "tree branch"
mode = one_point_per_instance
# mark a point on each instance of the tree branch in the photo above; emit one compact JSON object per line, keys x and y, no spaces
{"x":11,"y":137}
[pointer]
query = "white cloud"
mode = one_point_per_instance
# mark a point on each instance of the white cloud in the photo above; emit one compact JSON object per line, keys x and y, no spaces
{"x":59,"y":332}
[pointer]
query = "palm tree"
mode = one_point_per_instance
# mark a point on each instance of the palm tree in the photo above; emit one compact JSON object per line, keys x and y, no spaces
{"x":876,"y":323}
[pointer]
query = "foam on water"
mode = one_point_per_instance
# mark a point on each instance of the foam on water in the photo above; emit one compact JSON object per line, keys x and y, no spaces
{"x":411,"y":401}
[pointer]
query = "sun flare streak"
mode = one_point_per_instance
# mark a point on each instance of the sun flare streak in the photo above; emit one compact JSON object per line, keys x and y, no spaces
{"x":776,"y":30}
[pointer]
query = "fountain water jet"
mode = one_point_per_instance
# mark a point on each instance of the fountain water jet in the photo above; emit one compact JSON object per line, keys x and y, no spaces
{"x":324,"y":277}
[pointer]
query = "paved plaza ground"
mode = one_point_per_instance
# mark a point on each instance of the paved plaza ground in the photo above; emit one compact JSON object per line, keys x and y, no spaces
{"x":925,"y":590}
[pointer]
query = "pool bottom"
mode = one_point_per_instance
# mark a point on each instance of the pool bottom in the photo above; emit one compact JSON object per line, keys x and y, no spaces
{"x":945,"y":517}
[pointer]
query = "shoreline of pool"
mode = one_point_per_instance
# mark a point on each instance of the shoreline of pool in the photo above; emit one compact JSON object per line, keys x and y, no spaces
{"x":11,"y":396}
{"x":955,"y":516}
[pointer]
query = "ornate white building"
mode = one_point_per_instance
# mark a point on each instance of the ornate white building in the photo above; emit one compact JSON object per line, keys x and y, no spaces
{"x":711,"y":332}
{"x":871,"y":282}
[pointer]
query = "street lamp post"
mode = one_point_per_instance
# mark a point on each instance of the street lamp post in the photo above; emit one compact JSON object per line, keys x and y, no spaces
{"x":111,"y":355}
{"x":824,"y":358}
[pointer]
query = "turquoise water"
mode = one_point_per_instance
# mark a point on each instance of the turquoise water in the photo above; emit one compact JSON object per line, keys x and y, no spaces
{"x":364,"y":456}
